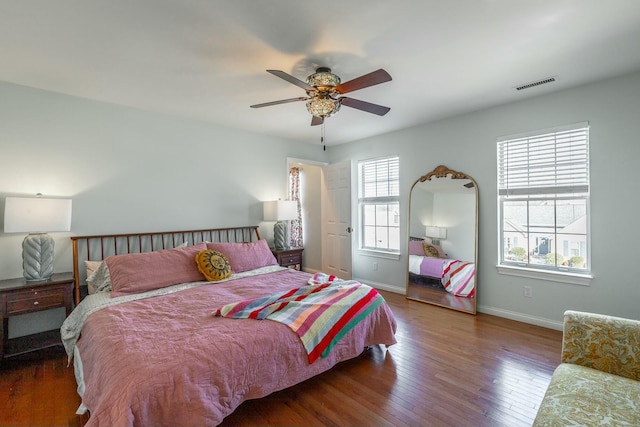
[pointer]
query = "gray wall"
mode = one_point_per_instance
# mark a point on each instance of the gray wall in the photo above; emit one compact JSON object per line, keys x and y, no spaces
{"x":128,"y":170}
{"x":468,"y":143}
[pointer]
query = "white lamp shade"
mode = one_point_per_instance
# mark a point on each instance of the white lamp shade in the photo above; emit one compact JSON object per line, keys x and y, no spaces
{"x":435,"y":232}
{"x":280,"y":210}
{"x":30,"y":215}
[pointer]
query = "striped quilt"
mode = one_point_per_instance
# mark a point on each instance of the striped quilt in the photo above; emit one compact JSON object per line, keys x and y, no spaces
{"x":458,"y":277}
{"x":320,"y":313}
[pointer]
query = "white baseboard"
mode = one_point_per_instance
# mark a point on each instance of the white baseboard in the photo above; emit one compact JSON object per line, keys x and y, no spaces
{"x":520,"y":317}
{"x":507,"y":314}
{"x":383,"y":286}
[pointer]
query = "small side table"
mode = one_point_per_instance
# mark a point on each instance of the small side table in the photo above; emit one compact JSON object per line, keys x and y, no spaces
{"x":17,"y":296}
{"x":289,"y":257}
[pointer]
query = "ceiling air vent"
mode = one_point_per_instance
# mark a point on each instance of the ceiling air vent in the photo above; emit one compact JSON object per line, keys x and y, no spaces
{"x":536,"y":83}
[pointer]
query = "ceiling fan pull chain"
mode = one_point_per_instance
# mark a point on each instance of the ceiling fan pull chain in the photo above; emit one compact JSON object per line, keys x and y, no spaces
{"x":324,"y":147}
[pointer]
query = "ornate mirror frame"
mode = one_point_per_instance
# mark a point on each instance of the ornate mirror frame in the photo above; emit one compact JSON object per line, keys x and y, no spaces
{"x":431,"y":192}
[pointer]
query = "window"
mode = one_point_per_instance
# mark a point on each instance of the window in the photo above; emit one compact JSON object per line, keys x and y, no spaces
{"x":379,"y":203}
{"x":543,"y":198}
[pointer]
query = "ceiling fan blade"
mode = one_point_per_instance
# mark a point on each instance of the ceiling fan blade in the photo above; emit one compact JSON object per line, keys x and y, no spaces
{"x":290,"y":79}
{"x":315,"y":121}
{"x":282,"y":101}
{"x":371,"y":79}
{"x":364,"y":106}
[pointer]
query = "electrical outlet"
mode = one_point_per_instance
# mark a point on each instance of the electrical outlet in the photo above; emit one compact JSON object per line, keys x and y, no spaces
{"x":375,"y":266}
{"x":527,"y":292}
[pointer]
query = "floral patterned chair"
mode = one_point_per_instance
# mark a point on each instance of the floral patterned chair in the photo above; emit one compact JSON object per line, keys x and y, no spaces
{"x":598,"y":381}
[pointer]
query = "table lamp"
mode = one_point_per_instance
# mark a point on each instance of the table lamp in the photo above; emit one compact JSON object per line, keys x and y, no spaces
{"x":435,"y":233}
{"x":280,"y":211}
{"x":37,"y":216}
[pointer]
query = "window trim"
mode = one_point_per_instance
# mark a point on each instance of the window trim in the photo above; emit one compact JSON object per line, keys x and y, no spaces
{"x":527,"y":192}
{"x":379,"y":253}
{"x":550,"y":275}
{"x":363,"y":201}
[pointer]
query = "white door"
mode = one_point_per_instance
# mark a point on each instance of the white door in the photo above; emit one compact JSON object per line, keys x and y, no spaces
{"x":336,"y":220}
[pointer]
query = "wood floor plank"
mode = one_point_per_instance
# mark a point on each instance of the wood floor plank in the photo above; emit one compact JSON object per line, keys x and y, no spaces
{"x":448,"y":369}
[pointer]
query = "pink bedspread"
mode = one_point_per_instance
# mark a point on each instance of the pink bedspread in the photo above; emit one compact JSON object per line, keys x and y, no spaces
{"x":431,"y":266}
{"x":167,"y":360}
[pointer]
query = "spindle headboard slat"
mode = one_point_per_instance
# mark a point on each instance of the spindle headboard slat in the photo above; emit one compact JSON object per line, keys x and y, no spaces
{"x":99,"y":247}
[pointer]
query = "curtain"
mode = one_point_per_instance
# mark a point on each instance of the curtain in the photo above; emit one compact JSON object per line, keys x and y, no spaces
{"x":295,"y":226}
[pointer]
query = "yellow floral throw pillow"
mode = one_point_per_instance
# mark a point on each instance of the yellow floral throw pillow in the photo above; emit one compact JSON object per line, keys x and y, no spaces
{"x":431,"y":251}
{"x":213,"y":265}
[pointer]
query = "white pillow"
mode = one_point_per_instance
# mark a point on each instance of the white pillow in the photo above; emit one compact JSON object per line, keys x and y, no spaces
{"x":99,"y":280}
{"x":91,"y":266}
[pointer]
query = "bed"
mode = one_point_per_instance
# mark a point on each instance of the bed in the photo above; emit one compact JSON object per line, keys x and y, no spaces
{"x":148,"y":351}
{"x":428,"y":264}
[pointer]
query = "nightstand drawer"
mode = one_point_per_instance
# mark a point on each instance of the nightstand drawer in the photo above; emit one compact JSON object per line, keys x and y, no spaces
{"x":289,"y":257}
{"x":34,"y":300}
{"x":293,"y":258}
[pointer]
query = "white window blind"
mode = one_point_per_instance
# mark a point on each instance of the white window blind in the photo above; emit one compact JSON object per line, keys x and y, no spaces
{"x":552,"y":162}
{"x":379,"y":178}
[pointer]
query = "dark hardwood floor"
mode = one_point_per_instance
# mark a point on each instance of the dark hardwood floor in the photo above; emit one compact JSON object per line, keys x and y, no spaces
{"x":37,"y":389}
{"x":448,"y":369}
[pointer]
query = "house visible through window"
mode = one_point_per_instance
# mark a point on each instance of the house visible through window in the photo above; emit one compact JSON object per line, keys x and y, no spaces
{"x":543,"y":197}
{"x":379,"y":203}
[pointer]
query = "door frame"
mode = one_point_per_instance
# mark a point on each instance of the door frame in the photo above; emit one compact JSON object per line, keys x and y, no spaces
{"x":312,"y":254}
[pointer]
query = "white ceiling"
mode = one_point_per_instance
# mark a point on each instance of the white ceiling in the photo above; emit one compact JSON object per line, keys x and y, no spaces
{"x":207,"y":59}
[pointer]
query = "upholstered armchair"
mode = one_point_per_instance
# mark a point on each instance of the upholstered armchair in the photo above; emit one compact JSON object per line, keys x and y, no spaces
{"x":598,"y":381}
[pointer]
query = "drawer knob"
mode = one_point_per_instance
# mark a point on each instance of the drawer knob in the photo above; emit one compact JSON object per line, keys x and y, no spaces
{"x":36,"y":303}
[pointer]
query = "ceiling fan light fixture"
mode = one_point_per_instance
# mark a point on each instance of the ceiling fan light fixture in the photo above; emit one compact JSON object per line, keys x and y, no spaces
{"x":323,"y":79}
{"x":324,"y":90}
{"x":323,"y":107}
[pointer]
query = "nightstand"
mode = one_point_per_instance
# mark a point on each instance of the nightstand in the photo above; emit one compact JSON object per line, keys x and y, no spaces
{"x":17,"y":296}
{"x":289,"y":257}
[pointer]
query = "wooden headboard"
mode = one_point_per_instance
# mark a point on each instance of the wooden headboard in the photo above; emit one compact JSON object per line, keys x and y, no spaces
{"x":99,"y":247}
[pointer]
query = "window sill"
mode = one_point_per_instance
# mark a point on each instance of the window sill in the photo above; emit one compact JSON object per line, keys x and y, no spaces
{"x":554,"y":276}
{"x":379,"y":254}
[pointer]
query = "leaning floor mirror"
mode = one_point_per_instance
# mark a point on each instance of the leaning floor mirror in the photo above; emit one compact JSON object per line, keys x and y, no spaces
{"x":443,"y":240}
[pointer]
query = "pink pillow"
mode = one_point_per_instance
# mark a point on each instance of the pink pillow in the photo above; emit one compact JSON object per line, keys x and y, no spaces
{"x":136,"y":273}
{"x":245,"y":256}
{"x":416,"y":248}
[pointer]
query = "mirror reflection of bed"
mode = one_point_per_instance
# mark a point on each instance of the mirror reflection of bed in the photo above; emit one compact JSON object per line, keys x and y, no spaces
{"x":418,"y":290}
{"x":442,"y":246}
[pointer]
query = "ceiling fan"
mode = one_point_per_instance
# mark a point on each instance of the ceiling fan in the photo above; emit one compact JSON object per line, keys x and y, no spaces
{"x":324,"y":89}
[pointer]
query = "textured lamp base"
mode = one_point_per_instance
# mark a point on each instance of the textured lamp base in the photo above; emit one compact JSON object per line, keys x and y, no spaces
{"x":37,"y":257}
{"x":280,"y":235}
